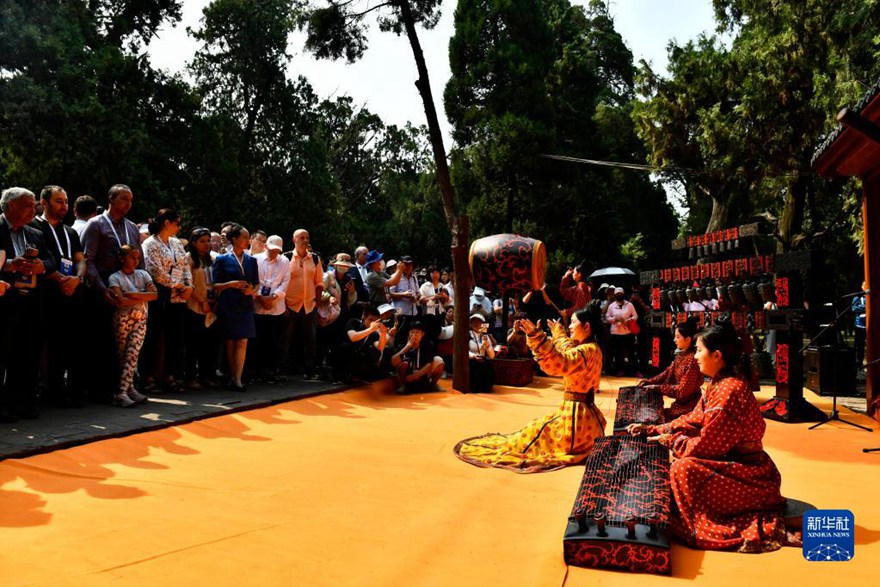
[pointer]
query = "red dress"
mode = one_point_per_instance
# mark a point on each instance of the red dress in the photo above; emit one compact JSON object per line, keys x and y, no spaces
{"x":579,"y":294}
{"x":725,"y":487}
{"x":681,"y":381}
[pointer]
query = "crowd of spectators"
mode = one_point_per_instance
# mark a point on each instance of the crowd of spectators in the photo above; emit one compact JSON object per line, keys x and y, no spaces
{"x":109,"y":310}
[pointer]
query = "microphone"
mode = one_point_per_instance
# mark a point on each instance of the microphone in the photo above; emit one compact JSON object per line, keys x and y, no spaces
{"x":855,"y":294}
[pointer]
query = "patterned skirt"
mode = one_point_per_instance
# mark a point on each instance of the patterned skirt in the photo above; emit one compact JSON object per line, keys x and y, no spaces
{"x":551,"y":442}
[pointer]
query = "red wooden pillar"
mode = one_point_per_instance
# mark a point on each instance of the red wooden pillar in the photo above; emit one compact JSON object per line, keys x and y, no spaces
{"x":871,"y":221}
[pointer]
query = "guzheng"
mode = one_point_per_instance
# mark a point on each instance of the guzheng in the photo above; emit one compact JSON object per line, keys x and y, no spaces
{"x":622,"y":508}
{"x":637,"y":405}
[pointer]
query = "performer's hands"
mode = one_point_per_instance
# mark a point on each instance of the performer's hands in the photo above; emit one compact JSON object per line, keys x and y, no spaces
{"x":526,"y":325}
{"x":662,"y":440}
{"x":637,"y":429}
{"x":552,"y":323}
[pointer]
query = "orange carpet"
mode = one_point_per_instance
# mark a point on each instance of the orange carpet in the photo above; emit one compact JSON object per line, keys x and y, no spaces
{"x":362,"y":488}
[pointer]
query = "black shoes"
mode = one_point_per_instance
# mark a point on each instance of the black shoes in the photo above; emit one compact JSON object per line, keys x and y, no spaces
{"x":233,"y":386}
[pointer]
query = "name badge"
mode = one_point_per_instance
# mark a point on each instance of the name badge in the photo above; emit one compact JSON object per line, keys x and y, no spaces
{"x":265,"y":290}
{"x":66,"y":267}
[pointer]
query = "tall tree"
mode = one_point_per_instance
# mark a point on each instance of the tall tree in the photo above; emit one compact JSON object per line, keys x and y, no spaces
{"x":548,"y":77}
{"x":744,"y":120}
{"x":79,"y":103}
{"x":267,"y":122}
{"x":337,"y":30}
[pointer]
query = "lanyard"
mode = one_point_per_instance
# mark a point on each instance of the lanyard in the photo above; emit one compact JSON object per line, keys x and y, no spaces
{"x":69,"y":255}
{"x":240,"y":264}
{"x":169,"y":248}
{"x":106,"y":217}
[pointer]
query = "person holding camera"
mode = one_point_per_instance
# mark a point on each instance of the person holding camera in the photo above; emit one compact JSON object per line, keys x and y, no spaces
{"x":434,"y":299}
{"x":481,"y":348}
{"x":368,"y":336}
{"x":418,"y":368}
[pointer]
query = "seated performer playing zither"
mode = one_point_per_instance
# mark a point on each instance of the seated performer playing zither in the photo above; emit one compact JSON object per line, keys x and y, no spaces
{"x":682,"y":379}
{"x":725,"y":488}
{"x":566,"y":436}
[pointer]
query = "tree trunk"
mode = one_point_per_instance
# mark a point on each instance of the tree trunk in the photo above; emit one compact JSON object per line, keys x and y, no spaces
{"x":511,"y":194}
{"x":457,"y":226}
{"x":792,"y":221}
{"x":720,"y":212}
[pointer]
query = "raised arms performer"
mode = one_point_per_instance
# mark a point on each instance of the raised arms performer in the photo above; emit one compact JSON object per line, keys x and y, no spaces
{"x":566,"y":436}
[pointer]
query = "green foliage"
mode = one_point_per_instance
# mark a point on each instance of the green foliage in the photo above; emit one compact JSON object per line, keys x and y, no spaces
{"x":78,"y":108}
{"x":530,"y":78}
{"x":745,"y":119}
{"x":339,"y":30}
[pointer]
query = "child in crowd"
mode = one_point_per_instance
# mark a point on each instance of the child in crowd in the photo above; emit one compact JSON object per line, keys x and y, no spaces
{"x":134,"y":288}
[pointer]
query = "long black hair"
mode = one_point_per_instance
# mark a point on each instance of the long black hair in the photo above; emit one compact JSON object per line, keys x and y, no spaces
{"x":197,"y":233}
{"x":591,"y":315}
{"x":688,"y":329}
{"x":723,"y":337}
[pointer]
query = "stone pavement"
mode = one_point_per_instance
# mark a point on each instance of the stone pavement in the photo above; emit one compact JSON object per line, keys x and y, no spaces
{"x":60,"y":428}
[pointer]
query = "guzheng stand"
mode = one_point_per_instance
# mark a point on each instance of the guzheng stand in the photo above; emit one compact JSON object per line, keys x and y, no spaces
{"x":788,"y":404}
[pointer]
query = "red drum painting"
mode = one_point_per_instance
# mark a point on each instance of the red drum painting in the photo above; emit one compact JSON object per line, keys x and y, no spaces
{"x":507,"y":262}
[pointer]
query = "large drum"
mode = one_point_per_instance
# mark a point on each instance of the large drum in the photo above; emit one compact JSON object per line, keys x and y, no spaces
{"x":507,"y":262}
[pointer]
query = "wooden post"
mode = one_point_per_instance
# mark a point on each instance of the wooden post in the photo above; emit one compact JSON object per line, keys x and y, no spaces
{"x":871,"y":222}
{"x":461,"y":330}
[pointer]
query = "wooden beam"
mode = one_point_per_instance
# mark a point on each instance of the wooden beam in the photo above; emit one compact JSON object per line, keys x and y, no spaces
{"x":861,"y":125}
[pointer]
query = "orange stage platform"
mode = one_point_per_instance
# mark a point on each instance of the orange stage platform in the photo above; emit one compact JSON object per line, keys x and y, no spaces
{"x":362,"y":488}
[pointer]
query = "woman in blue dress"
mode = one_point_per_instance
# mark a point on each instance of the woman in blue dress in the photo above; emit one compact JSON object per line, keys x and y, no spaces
{"x":235,"y":281}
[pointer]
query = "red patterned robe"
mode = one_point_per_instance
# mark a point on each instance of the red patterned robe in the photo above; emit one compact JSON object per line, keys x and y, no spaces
{"x":681,"y":381}
{"x":579,"y":294}
{"x":725,"y":487}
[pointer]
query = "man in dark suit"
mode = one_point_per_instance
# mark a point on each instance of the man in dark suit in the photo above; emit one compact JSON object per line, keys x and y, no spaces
{"x":359,"y":274}
{"x":27,"y":262}
{"x":64,"y":301}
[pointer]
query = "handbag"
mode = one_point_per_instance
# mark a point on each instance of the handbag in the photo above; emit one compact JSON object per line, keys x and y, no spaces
{"x":634,"y":327}
{"x":328,"y":313}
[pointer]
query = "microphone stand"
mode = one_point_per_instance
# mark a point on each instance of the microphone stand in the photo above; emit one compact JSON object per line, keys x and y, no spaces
{"x":834,"y":415}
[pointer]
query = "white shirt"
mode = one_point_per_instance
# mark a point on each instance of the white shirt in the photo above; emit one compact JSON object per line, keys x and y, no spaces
{"x":484,"y":307}
{"x":406,"y":306}
{"x":432,"y":307}
{"x":451,"y":291}
{"x":275,"y":275}
{"x":79,"y":225}
{"x":626,"y":312}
